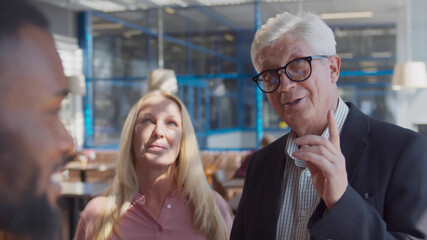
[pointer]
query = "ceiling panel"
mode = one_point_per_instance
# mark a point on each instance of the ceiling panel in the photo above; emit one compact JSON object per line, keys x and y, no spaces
{"x":240,"y":13}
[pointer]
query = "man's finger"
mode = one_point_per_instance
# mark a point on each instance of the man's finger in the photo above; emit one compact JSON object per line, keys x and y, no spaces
{"x":334,"y":135}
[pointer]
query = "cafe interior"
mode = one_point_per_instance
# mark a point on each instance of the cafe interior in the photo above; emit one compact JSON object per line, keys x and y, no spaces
{"x":109,"y":48}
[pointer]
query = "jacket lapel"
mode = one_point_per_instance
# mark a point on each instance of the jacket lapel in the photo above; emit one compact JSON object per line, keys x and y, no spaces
{"x":354,"y":146}
{"x":272,"y":190}
{"x":354,"y":142}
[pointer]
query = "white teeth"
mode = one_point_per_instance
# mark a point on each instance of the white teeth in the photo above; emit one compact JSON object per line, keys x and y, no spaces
{"x":56,"y":177}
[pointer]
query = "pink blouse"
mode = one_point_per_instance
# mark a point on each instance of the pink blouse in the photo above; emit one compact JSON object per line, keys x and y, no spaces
{"x":139,"y":223}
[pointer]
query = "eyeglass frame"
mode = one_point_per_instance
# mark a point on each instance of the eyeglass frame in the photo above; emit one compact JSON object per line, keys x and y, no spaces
{"x":307,"y":58}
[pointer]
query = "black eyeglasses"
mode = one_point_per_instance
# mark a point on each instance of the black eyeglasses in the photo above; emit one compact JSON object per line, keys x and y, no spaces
{"x":297,"y":70}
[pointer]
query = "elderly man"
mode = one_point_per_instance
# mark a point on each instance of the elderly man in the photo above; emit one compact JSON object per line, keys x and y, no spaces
{"x":33,"y":141}
{"x":338,"y":174}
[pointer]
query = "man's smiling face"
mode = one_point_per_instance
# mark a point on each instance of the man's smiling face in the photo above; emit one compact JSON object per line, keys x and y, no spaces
{"x":301,"y":104}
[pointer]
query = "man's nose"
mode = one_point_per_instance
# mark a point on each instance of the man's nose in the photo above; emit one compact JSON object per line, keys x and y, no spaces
{"x":67,"y":144}
{"x":285,"y":82}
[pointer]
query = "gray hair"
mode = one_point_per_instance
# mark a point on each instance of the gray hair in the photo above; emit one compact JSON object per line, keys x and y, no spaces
{"x":313,"y":30}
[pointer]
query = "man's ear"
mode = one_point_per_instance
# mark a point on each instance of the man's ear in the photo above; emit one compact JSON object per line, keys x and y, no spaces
{"x":334,"y":66}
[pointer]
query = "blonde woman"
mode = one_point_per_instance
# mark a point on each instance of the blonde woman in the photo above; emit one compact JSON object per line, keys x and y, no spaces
{"x":160,"y":190}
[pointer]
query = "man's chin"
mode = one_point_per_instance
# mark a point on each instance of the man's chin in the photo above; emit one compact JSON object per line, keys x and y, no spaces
{"x":35,"y":218}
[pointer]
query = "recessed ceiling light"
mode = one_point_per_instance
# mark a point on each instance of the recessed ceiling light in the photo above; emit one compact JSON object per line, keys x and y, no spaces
{"x":348,"y":55}
{"x":131,"y":33}
{"x":381,"y":54}
{"x":169,"y":10}
{"x":344,"y":15}
{"x":100,"y":26}
{"x":220,"y":2}
{"x":104,"y":6}
{"x":229,"y":37}
{"x":170,"y":2}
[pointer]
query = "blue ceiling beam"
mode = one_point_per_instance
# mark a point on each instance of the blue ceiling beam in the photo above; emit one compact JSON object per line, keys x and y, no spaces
{"x":217,"y":18}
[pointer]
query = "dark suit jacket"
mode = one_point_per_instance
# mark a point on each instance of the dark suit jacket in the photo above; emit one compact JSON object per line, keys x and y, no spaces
{"x":386,"y":197}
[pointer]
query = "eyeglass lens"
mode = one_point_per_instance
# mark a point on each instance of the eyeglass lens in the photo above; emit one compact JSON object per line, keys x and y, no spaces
{"x":296,"y":70}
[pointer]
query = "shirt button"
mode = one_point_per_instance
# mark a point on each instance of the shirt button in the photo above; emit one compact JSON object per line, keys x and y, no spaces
{"x":303,"y":213}
{"x":308,"y":173}
{"x":168,"y":206}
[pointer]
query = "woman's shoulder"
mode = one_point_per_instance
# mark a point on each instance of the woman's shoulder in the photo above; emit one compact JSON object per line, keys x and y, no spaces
{"x":221,"y":203}
{"x":88,"y":217}
{"x":93,"y":208}
{"x":96,"y":202}
{"x":225,"y":210}
{"x":218,"y":197}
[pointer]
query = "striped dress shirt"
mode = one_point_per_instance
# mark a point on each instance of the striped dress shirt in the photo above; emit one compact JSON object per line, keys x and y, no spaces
{"x":299,"y":198}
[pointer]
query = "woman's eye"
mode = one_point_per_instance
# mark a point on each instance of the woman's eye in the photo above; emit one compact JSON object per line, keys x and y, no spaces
{"x":171,"y":123}
{"x":145,"y":120}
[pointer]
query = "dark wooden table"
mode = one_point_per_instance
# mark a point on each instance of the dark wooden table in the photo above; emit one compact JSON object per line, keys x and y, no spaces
{"x":84,"y":167}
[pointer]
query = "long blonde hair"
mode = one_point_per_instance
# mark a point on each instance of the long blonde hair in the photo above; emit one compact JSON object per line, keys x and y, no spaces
{"x":191,"y":181}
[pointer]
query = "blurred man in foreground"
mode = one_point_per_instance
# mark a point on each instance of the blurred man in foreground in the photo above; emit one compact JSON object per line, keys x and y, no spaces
{"x":33,"y":141}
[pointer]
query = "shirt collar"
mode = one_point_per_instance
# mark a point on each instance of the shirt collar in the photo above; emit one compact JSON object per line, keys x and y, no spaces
{"x":139,"y":198}
{"x":340,"y":116}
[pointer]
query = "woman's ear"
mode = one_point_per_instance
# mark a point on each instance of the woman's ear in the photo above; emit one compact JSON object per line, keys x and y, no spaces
{"x":334,"y":66}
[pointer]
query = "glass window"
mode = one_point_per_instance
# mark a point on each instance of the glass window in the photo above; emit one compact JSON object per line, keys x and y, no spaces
{"x":249,"y":105}
{"x":119,"y":51}
{"x":371,"y":99}
{"x":207,"y":45}
{"x":223,"y":103}
{"x":223,"y":117}
{"x":175,"y":57}
{"x":112,"y":102}
{"x":373,"y":102}
{"x":270,"y":118}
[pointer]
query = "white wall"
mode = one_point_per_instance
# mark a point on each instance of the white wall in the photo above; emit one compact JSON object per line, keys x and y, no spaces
{"x":411,"y":104}
{"x":61,"y":21}
{"x":63,"y":26}
{"x":411,"y":108}
{"x":237,"y":139}
{"x":419,"y":30}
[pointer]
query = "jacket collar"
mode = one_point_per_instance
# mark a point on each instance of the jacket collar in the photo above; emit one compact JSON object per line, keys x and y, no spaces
{"x":353,"y":142}
{"x":354,"y":139}
{"x":272,"y":189}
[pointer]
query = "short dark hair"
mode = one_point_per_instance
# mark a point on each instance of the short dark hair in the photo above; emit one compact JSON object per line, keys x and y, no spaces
{"x":16,"y":13}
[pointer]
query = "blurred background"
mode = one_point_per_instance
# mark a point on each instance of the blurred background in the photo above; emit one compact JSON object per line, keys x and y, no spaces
{"x":108,"y":49}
